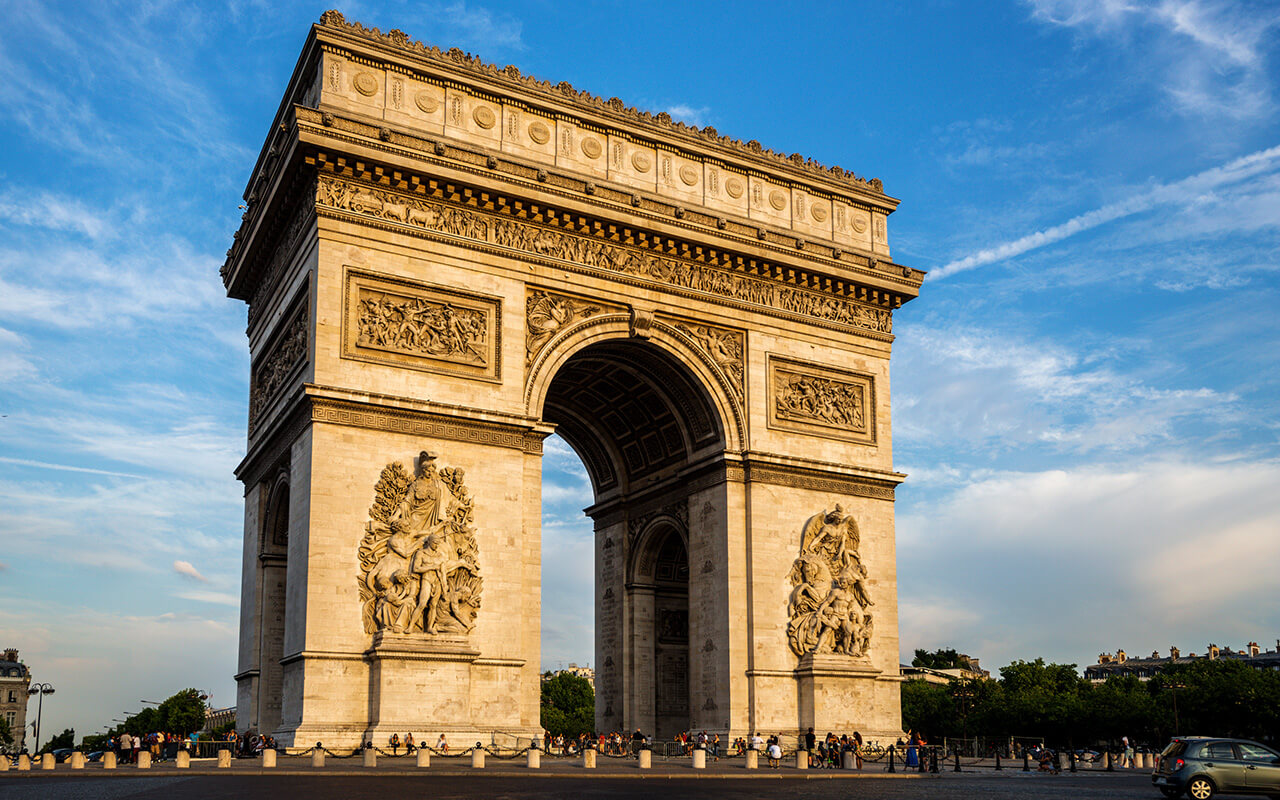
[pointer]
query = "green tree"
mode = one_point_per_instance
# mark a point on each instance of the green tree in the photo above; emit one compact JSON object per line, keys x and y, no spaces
{"x":6,"y":735}
{"x":928,"y":708}
{"x":182,"y":713}
{"x":568,"y":705}
{"x":65,"y":739}
{"x":937,"y":659}
{"x":146,"y":721}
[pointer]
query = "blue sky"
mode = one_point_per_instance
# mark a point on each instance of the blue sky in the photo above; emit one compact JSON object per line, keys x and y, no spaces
{"x":1084,"y":394}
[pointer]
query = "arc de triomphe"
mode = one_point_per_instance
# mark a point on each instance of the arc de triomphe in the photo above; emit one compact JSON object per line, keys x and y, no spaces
{"x":445,"y":262}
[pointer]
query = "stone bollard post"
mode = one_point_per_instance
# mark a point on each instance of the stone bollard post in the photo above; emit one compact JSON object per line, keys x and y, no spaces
{"x":269,"y":759}
{"x":424,"y":757}
{"x":144,"y":759}
{"x":47,"y":761}
{"x":24,"y":762}
{"x":183,"y":760}
{"x":370,"y":757}
{"x":1145,"y":760}
{"x":753,"y":759}
{"x":534,"y":759}
{"x":224,"y":759}
{"x":1111,"y":766}
{"x":108,"y":760}
{"x":77,"y":760}
{"x":477,"y":757}
{"x":589,"y":758}
{"x":4,"y":763}
{"x":646,"y":758}
{"x":802,"y":759}
{"x":699,"y":758}
{"x":317,"y":756}
{"x":847,"y":760}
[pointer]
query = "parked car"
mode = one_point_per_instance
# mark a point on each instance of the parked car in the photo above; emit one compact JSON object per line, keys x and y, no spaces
{"x":1203,"y":766}
{"x":62,"y":754}
{"x":96,"y":755}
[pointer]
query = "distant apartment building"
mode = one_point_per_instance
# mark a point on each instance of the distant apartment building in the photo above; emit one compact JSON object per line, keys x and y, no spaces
{"x":15,"y":680}
{"x":1146,"y":668}
{"x":574,"y":669}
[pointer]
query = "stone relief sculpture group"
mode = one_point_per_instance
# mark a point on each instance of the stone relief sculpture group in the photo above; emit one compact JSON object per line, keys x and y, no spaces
{"x":819,"y":400}
{"x":418,"y":558}
{"x":418,"y":326}
{"x":829,"y":601}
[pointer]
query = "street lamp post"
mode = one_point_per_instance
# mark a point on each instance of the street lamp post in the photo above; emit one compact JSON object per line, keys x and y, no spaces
{"x":41,"y":689}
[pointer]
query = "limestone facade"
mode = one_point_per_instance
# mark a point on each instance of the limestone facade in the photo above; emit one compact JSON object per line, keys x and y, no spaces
{"x":15,"y":681}
{"x":444,"y":263}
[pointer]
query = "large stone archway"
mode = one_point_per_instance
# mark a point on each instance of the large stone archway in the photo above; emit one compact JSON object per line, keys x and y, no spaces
{"x":444,"y":262}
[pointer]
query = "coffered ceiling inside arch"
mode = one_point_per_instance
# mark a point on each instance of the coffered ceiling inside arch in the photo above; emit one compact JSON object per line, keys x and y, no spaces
{"x":630,"y":411}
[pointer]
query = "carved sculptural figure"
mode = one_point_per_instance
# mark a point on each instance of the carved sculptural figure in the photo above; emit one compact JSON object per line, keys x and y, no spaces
{"x":419,"y":553}
{"x":829,"y":596}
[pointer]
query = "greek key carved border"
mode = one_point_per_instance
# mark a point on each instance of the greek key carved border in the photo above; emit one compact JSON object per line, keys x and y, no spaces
{"x":417,"y":423}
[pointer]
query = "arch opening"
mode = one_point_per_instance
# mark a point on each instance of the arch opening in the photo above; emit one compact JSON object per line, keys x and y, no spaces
{"x":638,"y":418}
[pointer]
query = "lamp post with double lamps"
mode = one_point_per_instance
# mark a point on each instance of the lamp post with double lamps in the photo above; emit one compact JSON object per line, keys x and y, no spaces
{"x":41,"y":689}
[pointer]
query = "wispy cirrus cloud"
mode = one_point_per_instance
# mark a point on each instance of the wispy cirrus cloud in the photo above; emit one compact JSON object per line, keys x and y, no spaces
{"x":1209,"y":56}
{"x":1178,"y":194}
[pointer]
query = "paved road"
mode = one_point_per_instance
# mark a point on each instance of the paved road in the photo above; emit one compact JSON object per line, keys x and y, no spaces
{"x":605,"y":786}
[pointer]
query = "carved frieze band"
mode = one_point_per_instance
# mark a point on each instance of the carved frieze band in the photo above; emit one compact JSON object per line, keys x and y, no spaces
{"x":821,"y":401}
{"x":396,"y":321}
{"x":286,"y":249}
{"x":430,"y":426}
{"x":724,"y":346}
{"x":592,"y":253}
{"x":283,"y":356}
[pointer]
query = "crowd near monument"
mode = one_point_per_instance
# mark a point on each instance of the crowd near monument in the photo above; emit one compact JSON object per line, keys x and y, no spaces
{"x":445,"y":262}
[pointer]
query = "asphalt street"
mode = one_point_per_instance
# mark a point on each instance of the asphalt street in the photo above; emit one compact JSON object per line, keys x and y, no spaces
{"x":667,"y":786}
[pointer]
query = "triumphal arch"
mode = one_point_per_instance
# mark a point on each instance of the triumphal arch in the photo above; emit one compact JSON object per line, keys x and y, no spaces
{"x":444,"y":262}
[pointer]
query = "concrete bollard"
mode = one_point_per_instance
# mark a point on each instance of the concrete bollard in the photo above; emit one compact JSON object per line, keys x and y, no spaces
{"x":477,"y":757}
{"x":589,"y":758}
{"x":108,"y":760}
{"x":646,"y":759}
{"x":182,"y":761}
{"x":370,"y":757}
{"x":77,"y":760}
{"x":317,"y":756}
{"x":224,"y":759}
{"x":534,"y":759}
{"x":752,"y":759}
{"x":47,"y":761}
{"x":802,"y":759}
{"x":847,"y":760}
{"x":24,"y":762}
{"x":4,"y":763}
{"x":269,"y":759}
{"x":424,"y":757}
{"x":699,"y":758}
{"x":144,"y":759}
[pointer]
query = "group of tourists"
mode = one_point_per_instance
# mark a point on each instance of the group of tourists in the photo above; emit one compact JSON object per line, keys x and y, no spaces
{"x":394,"y":743}
{"x":159,"y":744}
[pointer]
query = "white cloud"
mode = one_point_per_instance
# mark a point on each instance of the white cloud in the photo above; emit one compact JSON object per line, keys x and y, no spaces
{"x":1209,"y":56}
{"x":1180,"y":193}
{"x":479,"y":27}
{"x":186,"y":568}
{"x":218,"y":598}
{"x":961,"y":387}
{"x":1061,"y":563}
{"x":688,"y":114}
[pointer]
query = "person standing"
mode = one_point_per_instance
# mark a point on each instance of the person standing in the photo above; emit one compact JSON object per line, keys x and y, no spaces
{"x":1126,"y":757}
{"x":124,"y":747}
{"x":775,"y":755}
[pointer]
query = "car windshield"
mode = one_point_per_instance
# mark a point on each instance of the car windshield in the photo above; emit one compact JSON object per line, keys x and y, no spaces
{"x":1175,"y":748}
{"x":1255,"y":752}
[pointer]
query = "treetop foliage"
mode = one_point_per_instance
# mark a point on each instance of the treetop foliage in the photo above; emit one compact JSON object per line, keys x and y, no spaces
{"x":568,"y":705}
{"x":1053,"y":702}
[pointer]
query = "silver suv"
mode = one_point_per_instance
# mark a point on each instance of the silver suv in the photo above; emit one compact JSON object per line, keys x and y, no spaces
{"x":1201,"y":766}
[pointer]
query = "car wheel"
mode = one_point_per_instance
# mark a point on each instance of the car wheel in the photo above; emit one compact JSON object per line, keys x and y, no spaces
{"x":1200,"y":788}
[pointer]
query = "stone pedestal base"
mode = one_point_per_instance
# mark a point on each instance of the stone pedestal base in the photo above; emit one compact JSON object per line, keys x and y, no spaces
{"x":840,"y":693}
